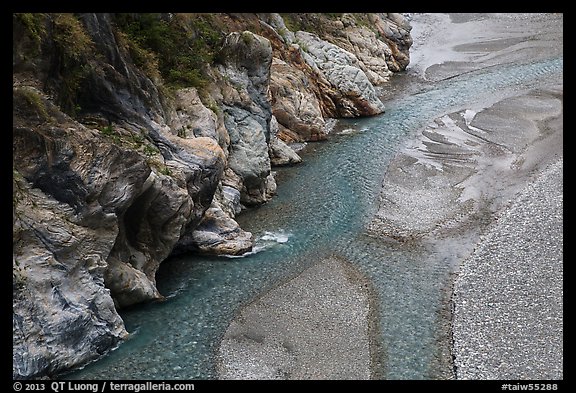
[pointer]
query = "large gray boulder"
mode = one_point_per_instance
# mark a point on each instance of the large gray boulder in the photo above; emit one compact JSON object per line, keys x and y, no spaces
{"x":280,"y":152}
{"x":190,"y":118}
{"x":219,"y":234}
{"x":373,"y":53}
{"x":294,"y":103}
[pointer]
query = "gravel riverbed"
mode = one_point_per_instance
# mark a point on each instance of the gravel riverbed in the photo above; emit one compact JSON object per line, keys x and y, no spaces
{"x":508,"y":297}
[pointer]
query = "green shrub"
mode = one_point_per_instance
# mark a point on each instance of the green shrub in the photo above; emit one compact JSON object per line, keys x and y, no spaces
{"x":183,"y":44}
{"x":165,"y":171}
{"x":34,"y":24}
{"x":291,"y":22}
{"x":30,"y":104}
{"x":150,"y":150}
{"x":107,"y":130}
{"x":143,"y":58}
{"x":62,"y":39}
{"x":74,"y":49}
{"x":71,"y":38}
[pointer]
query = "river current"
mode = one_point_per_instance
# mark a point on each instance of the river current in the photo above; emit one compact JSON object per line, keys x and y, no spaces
{"x":322,"y":209}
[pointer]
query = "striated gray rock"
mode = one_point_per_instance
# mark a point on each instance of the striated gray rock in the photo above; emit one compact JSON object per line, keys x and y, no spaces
{"x":275,"y":23}
{"x":280,"y":153}
{"x":114,"y":87}
{"x":151,"y":227}
{"x":331,"y":75}
{"x":342,"y":69}
{"x":218,"y":234}
{"x":63,"y":315}
{"x":372,"y":52}
{"x":247,"y":112}
{"x":191,"y":118}
{"x":122,"y":207}
{"x":395,"y":30}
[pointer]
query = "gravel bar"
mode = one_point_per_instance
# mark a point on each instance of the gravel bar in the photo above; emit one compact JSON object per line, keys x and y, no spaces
{"x":315,"y":326}
{"x":508,"y":297}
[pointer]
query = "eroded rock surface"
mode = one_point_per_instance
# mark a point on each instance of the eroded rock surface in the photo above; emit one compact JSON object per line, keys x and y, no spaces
{"x":342,"y":69}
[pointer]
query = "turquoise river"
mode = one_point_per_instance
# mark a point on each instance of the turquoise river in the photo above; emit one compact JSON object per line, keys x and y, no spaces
{"x":322,"y":209}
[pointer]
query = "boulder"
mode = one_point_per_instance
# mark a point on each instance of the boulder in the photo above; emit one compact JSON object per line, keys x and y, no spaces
{"x":280,"y":152}
{"x":218,"y":234}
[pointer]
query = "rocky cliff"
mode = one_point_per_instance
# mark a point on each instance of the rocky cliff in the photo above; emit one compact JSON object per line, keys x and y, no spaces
{"x":140,"y":136}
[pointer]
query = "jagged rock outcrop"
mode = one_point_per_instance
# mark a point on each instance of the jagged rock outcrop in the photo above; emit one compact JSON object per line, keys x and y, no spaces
{"x":219,"y":234}
{"x":114,"y":171}
{"x":294,"y":104}
{"x":247,"y":112}
{"x":332,"y":70}
{"x":280,"y":153}
{"x":63,"y":314}
{"x":395,"y":31}
{"x":125,"y":191}
{"x":192,"y":119}
{"x":126,"y":215}
{"x":342,"y":69}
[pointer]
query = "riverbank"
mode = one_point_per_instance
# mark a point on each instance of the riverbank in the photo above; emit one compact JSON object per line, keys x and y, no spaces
{"x":319,"y":220}
{"x":508,"y":297}
{"x":144,"y":138}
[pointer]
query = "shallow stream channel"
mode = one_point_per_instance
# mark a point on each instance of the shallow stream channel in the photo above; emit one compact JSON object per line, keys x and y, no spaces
{"x":322,"y":210}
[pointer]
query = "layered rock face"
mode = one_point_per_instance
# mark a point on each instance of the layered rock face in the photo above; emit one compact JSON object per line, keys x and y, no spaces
{"x":114,"y":171}
{"x":333,"y":70}
{"x":247,"y":112}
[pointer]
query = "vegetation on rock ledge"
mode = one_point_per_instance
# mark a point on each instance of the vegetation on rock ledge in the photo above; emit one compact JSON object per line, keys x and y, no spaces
{"x":181,"y":44}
